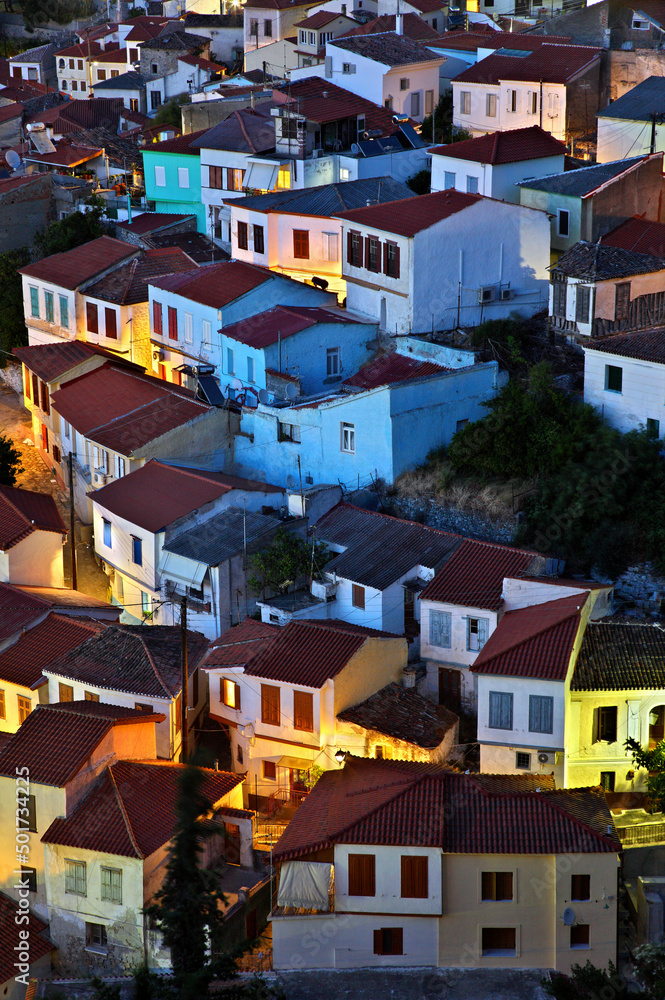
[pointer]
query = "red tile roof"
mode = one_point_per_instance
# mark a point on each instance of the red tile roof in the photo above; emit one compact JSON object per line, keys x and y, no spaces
{"x":57,"y":634}
{"x":216,"y":284}
{"x":51,"y":361}
{"x":309,"y":652}
{"x":128,"y":284}
{"x":533,"y":642}
{"x":319,"y":20}
{"x":157,"y":494}
{"x":638,"y":234}
{"x":62,"y":597}
{"x":266,"y":328}
{"x":10,"y":941}
{"x":22,"y":512}
{"x":235,"y":647}
{"x":130,"y":658}
{"x":409,"y":216}
{"x":476,"y":39}
{"x":337,"y":104}
{"x":131,"y":810}
{"x":505,"y":147}
{"x":82,"y":50}
{"x":204,"y":64}
{"x":422,"y":805}
{"x":646,"y":346}
{"x":151,"y":222}
{"x":474,"y":574}
{"x":393,"y":368}
{"x":18,"y":610}
{"x":403,"y":714}
{"x":124,"y":410}
{"x":75,"y":729}
{"x":72,"y":268}
{"x":181,"y":144}
{"x":550,"y":63}
{"x":66,"y":155}
{"x":412,"y":27}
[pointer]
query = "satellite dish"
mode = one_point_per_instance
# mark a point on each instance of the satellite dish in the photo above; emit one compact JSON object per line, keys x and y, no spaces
{"x":236,"y":384}
{"x":569,"y":916}
{"x":13,"y":159}
{"x":290,"y":482}
{"x":291,"y":390}
{"x":264,"y":396}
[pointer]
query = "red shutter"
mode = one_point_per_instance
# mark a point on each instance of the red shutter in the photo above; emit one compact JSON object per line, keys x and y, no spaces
{"x":26,"y":381}
{"x":35,"y":390}
{"x":157,"y":317}
{"x":44,"y":437}
{"x":173,"y":323}
{"x":367,"y":258}
{"x":396,"y":261}
{"x":385,"y":258}
{"x":378,"y":942}
{"x":91,"y":318}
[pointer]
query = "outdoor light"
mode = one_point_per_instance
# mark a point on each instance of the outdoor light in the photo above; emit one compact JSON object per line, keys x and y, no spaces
{"x":339,"y":756}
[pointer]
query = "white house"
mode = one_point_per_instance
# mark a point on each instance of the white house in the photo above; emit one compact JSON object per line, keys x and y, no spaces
{"x":626,"y":126}
{"x":317,"y":29}
{"x":32,"y":534}
{"x":36,"y":64}
{"x":624,"y":378}
{"x":267,"y":21}
{"x":494,"y":163}
{"x":388,"y":69}
{"x":497,"y":256}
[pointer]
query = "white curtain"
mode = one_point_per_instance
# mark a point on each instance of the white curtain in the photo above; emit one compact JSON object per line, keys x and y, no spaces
{"x":304,"y":884}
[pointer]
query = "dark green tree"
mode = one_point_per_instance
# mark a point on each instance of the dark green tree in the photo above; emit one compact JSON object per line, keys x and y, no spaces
{"x":169,"y":113}
{"x":653,"y":761}
{"x":287,"y":561}
{"x":73,"y":231}
{"x":10,"y":462}
{"x":444,"y":130}
{"x":13,"y":331}
{"x":420,"y":182}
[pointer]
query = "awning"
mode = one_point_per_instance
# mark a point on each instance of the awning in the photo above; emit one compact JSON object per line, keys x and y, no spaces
{"x":182,"y":570}
{"x":297,"y":763}
{"x":305,"y":884}
{"x":262,"y":176}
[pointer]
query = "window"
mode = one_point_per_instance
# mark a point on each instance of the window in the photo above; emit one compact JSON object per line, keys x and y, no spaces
{"x":288,"y":432}
{"x":498,"y":941}
{"x":3,"y":706}
{"x":90,"y":696}
{"x":490,"y":106}
{"x":358,"y":596}
{"x":348,"y":68}
{"x":112,"y":884}
{"x":242,"y":236}
{"x":183,"y":177}
{"x":101,"y":74}
{"x":541,"y":711}
{"x":449,"y":179}
{"x":107,"y":533}
{"x":563,"y":222}
{"x":65,"y":692}
{"x":580,"y":887}
{"x":28,"y":819}
{"x":354,"y":249}
{"x":415,"y":104}
{"x":143,"y":706}
{"x":582,"y":304}
{"x":372,"y":254}
{"x":656,"y":725}
{"x":75,"y":877}
{"x":348,"y":438}
{"x":622,"y":300}
{"x":606,"y":724}
{"x":532,"y":102}
{"x":333,"y":362}
{"x":189,"y":329}
{"x":476,"y":633}
{"x":579,"y":936}
{"x":362,"y":877}
{"x":465,"y":102}
{"x":284,"y":178}
{"x":471,"y":185}
{"x":607,"y":780}
{"x":523,"y":760}
{"x":391,"y":259}
{"x":389,"y":941}
{"x":157,"y":317}
{"x":267,"y":28}
{"x":270,"y":709}
{"x":461,"y":424}
{"x":66,"y":429}
{"x":111,"y":323}
{"x":559,"y":298}
{"x":137,"y":551}
{"x":173,"y":323}
{"x":270,"y":770}
{"x":56,"y":454}
{"x":49,"y":307}
{"x":160,"y":172}
{"x":91,"y":319}
{"x":216,"y":177}
{"x":34,"y":301}
{"x":83,"y":86}
{"x":440,"y":626}
{"x":496,"y":886}
{"x":29,"y":878}
{"x":501,"y":710}
{"x":429,"y":101}
{"x":45,"y":398}
{"x":206,"y":333}
{"x":64,"y":311}
{"x":414,"y":877}
{"x":234,"y":178}
{"x":45,"y":437}
{"x":155,"y":101}
{"x":382,"y":752}
{"x":514,"y":101}
{"x":74,"y":85}
{"x":229,"y":693}
{"x":653,"y":427}
{"x":303,"y":711}
{"x":133,"y":103}
{"x":613,"y":378}
{"x":230,"y":361}
{"x":95,"y":936}
{"x":301,"y":244}
{"x":259,"y":245}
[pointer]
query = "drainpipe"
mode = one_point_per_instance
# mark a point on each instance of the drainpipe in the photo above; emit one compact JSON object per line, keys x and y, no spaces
{"x":541,"y":103}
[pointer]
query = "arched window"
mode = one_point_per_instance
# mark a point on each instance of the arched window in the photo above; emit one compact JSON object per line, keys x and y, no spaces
{"x":656,"y":725}
{"x":64,"y":85}
{"x":61,"y":64}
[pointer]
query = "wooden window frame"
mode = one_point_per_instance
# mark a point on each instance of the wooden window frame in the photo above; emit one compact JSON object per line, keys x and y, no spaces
{"x":271,"y":711}
{"x":301,"y":244}
{"x":494,"y":886}
{"x":303,"y":711}
{"x":414,"y":876}
{"x":358,"y":596}
{"x":361,"y":874}
{"x":389,"y":941}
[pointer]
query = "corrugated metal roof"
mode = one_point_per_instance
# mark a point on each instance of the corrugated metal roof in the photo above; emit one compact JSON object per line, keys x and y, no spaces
{"x":617,"y":656}
{"x":281,"y":322}
{"x":74,"y":267}
{"x":638,"y":234}
{"x":217,"y":284}
{"x":581,"y":182}
{"x":391,"y":368}
{"x":50,"y":361}
{"x":474,"y":575}
{"x":328,"y":199}
{"x":218,"y":538}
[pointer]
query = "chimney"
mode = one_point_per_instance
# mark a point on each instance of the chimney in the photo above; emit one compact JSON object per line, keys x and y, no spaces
{"x":399,"y":26}
{"x":409,"y":677}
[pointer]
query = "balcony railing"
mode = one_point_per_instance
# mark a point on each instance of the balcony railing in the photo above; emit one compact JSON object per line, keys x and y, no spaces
{"x":284,"y":797}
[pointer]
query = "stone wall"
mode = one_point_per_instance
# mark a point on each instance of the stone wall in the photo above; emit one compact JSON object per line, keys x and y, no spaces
{"x":642,"y":585}
{"x":24,"y":211}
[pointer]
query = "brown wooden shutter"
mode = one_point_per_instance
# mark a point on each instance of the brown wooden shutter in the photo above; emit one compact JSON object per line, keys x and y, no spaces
{"x":35,"y":390}
{"x":157,"y":316}
{"x":91,"y":318}
{"x":349,"y":247}
{"x":396,"y":941}
{"x":396,"y":261}
{"x":367,"y":257}
{"x":378,"y":941}
{"x":270,"y":709}
{"x":173,"y":323}
{"x":237,"y":694}
{"x":111,"y":324}
{"x":46,"y":403}
{"x":414,"y":877}
{"x":229,"y":178}
{"x":362,"y":875}
{"x":303,"y":711}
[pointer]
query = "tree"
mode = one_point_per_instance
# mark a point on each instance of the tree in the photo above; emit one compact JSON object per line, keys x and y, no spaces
{"x":13,"y":332}
{"x":10,"y":462}
{"x":654,"y":763}
{"x":169,"y":113}
{"x":73,"y":231}
{"x":444,"y":130}
{"x":420,"y":181}
{"x":586,"y":982}
{"x":286,"y":562}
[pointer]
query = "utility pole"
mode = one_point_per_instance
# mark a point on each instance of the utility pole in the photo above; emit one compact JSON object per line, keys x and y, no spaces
{"x":184,"y":750}
{"x":656,"y":118}
{"x":72,"y":531}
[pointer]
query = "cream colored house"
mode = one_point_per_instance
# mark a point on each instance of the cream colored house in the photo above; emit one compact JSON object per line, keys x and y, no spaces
{"x":32,"y":534}
{"x":389,"y":863}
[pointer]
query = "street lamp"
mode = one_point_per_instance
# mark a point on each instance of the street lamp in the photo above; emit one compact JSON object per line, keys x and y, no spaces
{"x":340,"y":756}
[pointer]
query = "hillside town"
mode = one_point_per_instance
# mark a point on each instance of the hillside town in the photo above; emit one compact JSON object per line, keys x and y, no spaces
{"x":332,"y":499}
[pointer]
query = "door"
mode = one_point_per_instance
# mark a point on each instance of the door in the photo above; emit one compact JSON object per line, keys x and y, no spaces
{"x":411,"y":625}
{"x":297,"y":786}
{"x":450,"y":688}
{"x":232,"y":843}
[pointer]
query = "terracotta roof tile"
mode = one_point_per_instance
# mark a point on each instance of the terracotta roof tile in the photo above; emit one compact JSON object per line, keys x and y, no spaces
{"x":131,"y":810}
{"x":391,"y":368}
{"x":72,"y":268}
{"x":409,"y":216}
{"x":402,"y":714}
{"x":536,"y":641}
{"x":22,"y":512}
{"x":646,"y":346}
{"x":182,"y":144}
{"x":51,"y":361}
{"x":18,"y":610}
{"x":638,"y":234}
{"x":249,"y":130}
{"x":599,"y":262}
{"x":240,"y":643}
{"x":266,"y":328}
{"x":23,"y":662}
{"x":388,"y":48}
{"x":412,"y":27}
{"x":618,"y":656}
{"x":217,"y":284}
{"x":128,"y":284}
{"x":474,"y":575}
{"x":319,"y":19}
{"x":549,"y":63}
{"x":310,"y":651}
{"x":61,"y":598}
{"x":423,"y":805}
{"x":133,"y":659}
{"x":66,"y":154}
{"x":504,"y":147}
{"x":308,"y":98}
{"x":10,"y":941}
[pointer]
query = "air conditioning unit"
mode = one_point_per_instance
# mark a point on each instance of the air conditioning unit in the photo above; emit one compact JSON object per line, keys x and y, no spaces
{"x":158,"y":355}
{"x":323,"y":589}
{"x":506,"y":293}
{"x":544,"y":758}
{"x":485,"y":293}
{"x":301,"y":125}
{"x":99,"y":477}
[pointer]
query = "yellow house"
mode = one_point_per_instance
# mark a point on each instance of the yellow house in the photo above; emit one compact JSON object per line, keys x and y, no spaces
{"x":32,"y":533}
{"x":394,"y":863}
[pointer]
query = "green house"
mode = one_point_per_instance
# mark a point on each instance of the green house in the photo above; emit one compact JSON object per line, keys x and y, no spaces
{"x":172,"y":172}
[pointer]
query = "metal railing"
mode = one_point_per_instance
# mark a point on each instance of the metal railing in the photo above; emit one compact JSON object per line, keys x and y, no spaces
{"x":641,"y":833}
{"x":285,"y":797}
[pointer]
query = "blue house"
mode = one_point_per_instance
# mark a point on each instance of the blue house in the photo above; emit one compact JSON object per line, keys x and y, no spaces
{"x":172,"y":174}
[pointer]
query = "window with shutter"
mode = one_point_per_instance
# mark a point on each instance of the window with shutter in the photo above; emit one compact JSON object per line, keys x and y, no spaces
{"x":389,"y":941}
{"x":157,"y":317}
{"x":477,"y":630}
{"x":35,"y":390}
{"x":541,"y":711}
{"x":414,"y":877}
{"x":559,"y":289}
{"x":605,"y":724}
{"x":229,"y":693}
{"x":501,"y":710}
{"x":372,"y":254}
{"x":270,"y":708}
{"x":362,"y":875}
{"x":91,"y":321}
{"x":110,"y":324}
{"x":354,"y":249}
{"x":391,"y":259}
{"x":301,"y":244}
{"x":303,"y":711}
{"x":173,"y":323}
{"x":582,"y":304}
{"x":496,"y":885}
{"x":65,"y":692}
{"x":46,"y":399}
{"x":358,"y":596}
{"x":440,"y":625}
{"x":243,"y":238}
{"x":580,"y":887}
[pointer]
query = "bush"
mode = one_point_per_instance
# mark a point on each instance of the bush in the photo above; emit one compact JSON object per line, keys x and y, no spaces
{"x":420,"y":182}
